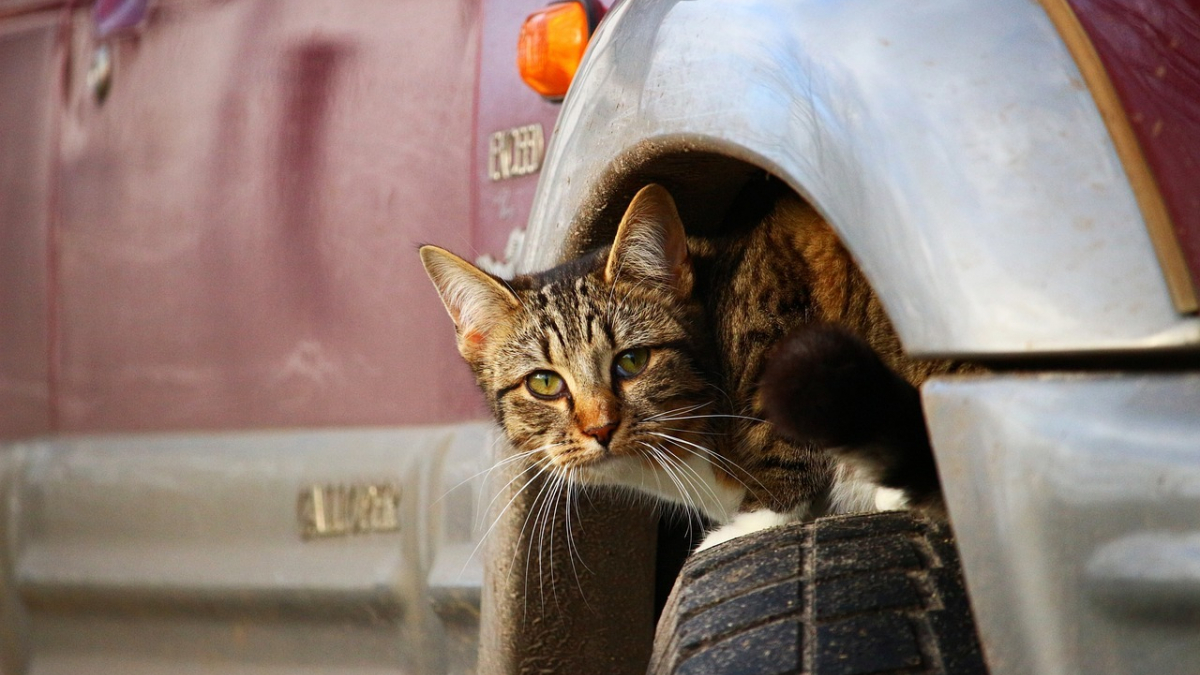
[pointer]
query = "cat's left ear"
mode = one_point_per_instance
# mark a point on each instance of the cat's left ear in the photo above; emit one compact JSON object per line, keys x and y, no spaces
{"x":650,"y":244}
{"x":477,"y":302}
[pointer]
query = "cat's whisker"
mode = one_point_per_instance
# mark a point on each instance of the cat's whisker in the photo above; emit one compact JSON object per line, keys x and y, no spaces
{"x":681,"y":410}
{"x":693,"y":500}
{"x":541,"y":522}
{"x":657,"y":481}
{"x":488,"y":471}
{"x":483,"y":483}
{"x":534,"y":513}
{"x":693,"y":431}
{"x":724,"y":514}
{"x":575,"y":489}
{"x":705,"y":417}
{"x":504,"y":462}
{"x":665,"y":463}
{"x":500,"y":515}
{"x":544,"y":517}
{"x":659,"y":490}
{"x":547,"y":522}
{"x":485,"y":510}
{"x":725,"y":394}
{"x":559,"y":499}
{"x":531,"y":467}
{"x":707,"y":452}
{"x":730,"y":466}
{"x":698,"y":482}
{"x":559,"y":496}
{"x":656,"y":454}
{"x":573,"y":550}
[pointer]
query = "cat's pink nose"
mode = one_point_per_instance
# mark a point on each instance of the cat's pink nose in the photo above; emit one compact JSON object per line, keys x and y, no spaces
{"x":603,"y":433}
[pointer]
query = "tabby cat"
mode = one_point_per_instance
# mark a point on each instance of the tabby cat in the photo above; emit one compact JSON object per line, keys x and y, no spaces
{"x":639,"y":365}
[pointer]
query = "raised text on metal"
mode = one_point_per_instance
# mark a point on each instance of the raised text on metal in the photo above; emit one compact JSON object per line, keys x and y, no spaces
{"x":338,"y":509}
{"x":515,"y":152}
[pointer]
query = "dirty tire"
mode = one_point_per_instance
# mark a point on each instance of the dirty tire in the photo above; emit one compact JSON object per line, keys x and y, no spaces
{"x":845,"y":595}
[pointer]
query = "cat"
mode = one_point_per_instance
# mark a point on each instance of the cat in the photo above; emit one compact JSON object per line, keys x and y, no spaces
{"x":825,"y":386}
{"x":639,"y":364}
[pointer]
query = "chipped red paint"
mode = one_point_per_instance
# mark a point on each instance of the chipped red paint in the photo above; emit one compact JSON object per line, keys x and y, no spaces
{"x":1151,"y":50}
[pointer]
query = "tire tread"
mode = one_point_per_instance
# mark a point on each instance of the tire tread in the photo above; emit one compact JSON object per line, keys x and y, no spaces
{"x":870,"y":594}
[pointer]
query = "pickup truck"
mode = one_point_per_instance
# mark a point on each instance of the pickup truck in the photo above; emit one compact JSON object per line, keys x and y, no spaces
{"x":235,"y":436}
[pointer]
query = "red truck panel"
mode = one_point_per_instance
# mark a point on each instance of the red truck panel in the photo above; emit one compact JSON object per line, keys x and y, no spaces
{"x":505,"y":102}
{"x":28,"y":87}
{"x":239,"y":220}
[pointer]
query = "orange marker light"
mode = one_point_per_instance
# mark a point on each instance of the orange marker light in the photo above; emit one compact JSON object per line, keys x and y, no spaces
{"x":551,"y":46}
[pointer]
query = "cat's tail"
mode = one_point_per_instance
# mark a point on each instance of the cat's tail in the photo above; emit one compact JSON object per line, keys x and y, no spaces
{"x":826,"y":386}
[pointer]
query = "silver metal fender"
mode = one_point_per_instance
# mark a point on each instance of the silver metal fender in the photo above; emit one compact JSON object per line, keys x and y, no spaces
{"x":951,"y":143}
{"x":1077,"y":525}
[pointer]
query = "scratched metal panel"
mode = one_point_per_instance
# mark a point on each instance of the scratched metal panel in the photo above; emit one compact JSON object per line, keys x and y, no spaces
{"x":239,"y":218}
{"x":1075,"y":501}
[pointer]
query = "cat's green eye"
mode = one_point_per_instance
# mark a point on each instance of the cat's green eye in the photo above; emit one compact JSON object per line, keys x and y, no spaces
{"x":545,"y":384}
{"x":632,"y":361}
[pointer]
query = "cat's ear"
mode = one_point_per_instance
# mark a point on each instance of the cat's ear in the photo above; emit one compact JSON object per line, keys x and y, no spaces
{"x":651,"y":245}
{"x":477,"y":301}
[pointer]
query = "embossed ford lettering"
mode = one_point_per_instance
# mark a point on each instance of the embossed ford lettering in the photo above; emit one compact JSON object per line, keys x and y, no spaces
{"x":515,"y":152}
{"x":332,"y":510}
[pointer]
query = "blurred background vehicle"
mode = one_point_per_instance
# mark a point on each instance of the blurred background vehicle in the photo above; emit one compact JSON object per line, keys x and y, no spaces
{"x":231,"y":412}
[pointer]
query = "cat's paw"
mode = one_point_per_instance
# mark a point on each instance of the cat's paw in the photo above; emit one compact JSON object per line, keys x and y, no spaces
{"x":889,"y":499}
{"x":743,"y":524}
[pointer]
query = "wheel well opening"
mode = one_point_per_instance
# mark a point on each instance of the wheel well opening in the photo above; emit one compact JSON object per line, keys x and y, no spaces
{"x":706,"y":187}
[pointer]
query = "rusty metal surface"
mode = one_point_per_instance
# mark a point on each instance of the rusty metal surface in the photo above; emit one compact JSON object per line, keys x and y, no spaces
{"x":239,"y":217}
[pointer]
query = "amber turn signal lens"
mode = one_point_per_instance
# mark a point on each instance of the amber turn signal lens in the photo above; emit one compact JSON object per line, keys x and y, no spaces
{"x":551,"y":46}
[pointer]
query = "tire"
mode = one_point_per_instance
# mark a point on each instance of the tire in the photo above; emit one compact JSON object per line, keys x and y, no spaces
{"x":844,"y":595}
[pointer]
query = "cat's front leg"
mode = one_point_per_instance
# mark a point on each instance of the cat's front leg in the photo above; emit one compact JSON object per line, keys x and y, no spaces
{"x":745,"y":523}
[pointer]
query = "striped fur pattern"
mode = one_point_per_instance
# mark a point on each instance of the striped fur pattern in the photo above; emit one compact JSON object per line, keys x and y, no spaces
{"x":688,"y":426}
